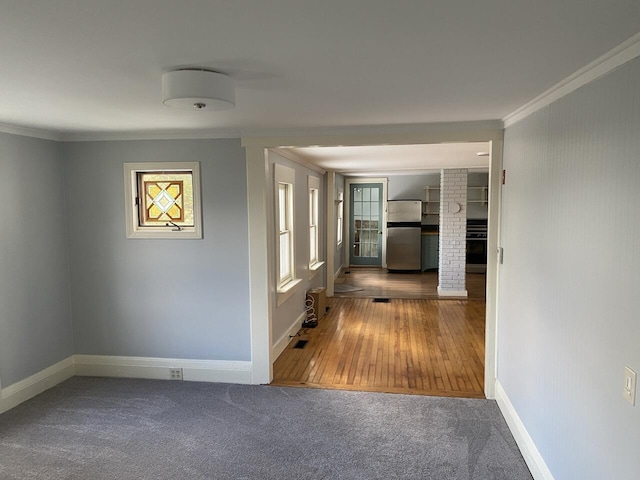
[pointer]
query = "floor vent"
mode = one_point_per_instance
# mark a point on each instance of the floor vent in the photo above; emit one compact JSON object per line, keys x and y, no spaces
{"x":380,"y":300}
{"x":347,"y":272}
{"x":301,"y":344}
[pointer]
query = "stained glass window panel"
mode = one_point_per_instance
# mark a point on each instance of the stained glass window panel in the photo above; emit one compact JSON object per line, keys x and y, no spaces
{"x":165,"y":197}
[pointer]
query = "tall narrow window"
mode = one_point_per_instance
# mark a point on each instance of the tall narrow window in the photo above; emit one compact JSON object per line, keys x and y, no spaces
{"x":286,"y":233}
{"x":339,"y":215}
{"x":284,"y":226}
{"x":314,"y":256}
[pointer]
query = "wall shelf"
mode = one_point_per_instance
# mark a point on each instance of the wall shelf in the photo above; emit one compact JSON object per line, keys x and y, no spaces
{"x":431,"y":203}
{"x":477,"y":195}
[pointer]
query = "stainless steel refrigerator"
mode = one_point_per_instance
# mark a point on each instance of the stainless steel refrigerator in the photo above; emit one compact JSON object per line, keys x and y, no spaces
{"x":403,"y":235}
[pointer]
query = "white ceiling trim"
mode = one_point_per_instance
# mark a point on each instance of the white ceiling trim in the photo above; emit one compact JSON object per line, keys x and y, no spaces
{"x":30,"y":132}
{"x":150,"y":135}
{"x":611,"y":60}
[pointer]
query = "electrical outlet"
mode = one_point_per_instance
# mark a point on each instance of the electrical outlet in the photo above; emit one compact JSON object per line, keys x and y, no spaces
{"x":629,"y":390}
{"x":175,"y":374}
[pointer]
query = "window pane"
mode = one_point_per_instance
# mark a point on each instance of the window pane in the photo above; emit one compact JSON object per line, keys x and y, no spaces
{"x":165,"y":197}
{"x":366,"y":194}
{"x":357,"y":194}
{"x":282,"y":203}
{"x":366,"y":209}
{"x":285,"y":258}
{"x":357,"y":208}
{"x":313,"y":245}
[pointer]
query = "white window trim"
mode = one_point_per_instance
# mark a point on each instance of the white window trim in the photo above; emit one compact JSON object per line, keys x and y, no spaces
{"x":285,"y":175}
{"x":133,"y":229}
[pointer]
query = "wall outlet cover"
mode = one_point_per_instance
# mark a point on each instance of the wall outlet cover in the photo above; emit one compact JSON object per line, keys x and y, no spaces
{"x":630,"y":381}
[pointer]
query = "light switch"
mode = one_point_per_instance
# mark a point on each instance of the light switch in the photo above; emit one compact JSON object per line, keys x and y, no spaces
{"x":629,"y":390}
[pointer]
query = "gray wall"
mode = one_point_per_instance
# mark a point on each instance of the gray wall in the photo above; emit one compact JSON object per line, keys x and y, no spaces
{"x":411,"y":187}
{"x":158,"y":298}
{"x":284,"y":316}
{"x":568,"y":311}
{"x":35,"y":318}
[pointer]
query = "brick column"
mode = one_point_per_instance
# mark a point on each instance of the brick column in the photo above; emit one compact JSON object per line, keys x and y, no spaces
{"x":453,"y":233}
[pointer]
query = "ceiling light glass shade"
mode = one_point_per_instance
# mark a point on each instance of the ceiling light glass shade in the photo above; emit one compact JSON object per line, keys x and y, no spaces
{"x":198,"y":90}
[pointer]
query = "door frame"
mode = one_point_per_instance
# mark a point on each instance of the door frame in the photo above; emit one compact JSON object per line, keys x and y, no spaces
{"x":348,"y":181}
{"x":261,"y":255}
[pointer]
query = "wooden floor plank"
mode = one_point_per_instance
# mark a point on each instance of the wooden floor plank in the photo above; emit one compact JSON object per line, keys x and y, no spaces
{"x":412,"y":345}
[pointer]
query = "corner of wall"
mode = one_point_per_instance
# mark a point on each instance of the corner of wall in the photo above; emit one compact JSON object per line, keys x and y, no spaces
{"x":528,"y":448}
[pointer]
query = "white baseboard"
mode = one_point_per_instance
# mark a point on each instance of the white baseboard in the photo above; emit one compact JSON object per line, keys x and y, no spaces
{"x":37,"y":383}
{"x":451,"y":293}
{"x":282,"y":343}
{"x":215,"y":371}
{"x":222,"y":371}
{"x":338,"y":272}
{"x":530,"y":452}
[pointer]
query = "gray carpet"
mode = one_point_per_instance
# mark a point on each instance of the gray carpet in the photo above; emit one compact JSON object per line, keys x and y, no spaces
{"x":99,"y":428}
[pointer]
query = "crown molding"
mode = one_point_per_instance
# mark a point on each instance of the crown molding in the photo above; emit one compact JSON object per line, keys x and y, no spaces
{"x":150,"y":135}
{"x":611,"y":60}
{"x":406,"y":133}
{"x":30,"y":132}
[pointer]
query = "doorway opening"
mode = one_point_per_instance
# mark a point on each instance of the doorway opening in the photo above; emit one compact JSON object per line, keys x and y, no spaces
{"x":261,"y":299}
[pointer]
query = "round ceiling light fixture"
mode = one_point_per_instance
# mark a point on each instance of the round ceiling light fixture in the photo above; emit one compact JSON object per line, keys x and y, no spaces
{"x":198,"y":89}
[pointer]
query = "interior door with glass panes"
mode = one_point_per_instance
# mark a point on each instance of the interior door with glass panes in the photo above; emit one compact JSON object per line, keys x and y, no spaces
{"x":365,"y":224}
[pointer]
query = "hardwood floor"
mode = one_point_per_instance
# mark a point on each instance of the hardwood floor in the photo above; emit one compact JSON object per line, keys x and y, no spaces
{"x":416,"y":346}
{"x":377,"y":282}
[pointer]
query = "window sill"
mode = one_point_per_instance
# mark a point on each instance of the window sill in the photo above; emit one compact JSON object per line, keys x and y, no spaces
{"x":165,"y":234}
{"x":314,"y":269}
{"x":287,"y":290}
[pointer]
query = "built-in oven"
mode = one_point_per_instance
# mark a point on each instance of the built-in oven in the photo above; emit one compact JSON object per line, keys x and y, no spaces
{"x":476,"y":245}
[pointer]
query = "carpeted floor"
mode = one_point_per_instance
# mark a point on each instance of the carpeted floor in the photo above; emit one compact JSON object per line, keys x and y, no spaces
{"x":100,"y":428}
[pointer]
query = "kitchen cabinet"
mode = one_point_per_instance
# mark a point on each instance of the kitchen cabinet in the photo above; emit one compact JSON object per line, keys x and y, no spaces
{"x":430,"y":251}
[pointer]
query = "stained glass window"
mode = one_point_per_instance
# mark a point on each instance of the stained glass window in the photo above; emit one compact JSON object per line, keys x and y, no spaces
{"x":162,"y":200}
{"x":166,"y":198}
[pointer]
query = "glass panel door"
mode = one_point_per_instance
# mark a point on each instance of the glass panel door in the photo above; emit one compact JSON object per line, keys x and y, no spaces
{"x":365,"y":224}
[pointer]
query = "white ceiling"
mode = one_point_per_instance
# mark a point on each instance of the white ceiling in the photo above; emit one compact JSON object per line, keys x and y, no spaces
{"x":95,"y":65}
{"x":397,"y":159}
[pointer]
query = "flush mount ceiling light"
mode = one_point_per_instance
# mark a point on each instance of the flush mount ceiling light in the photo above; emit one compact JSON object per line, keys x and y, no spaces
{"x":198,"y":89}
